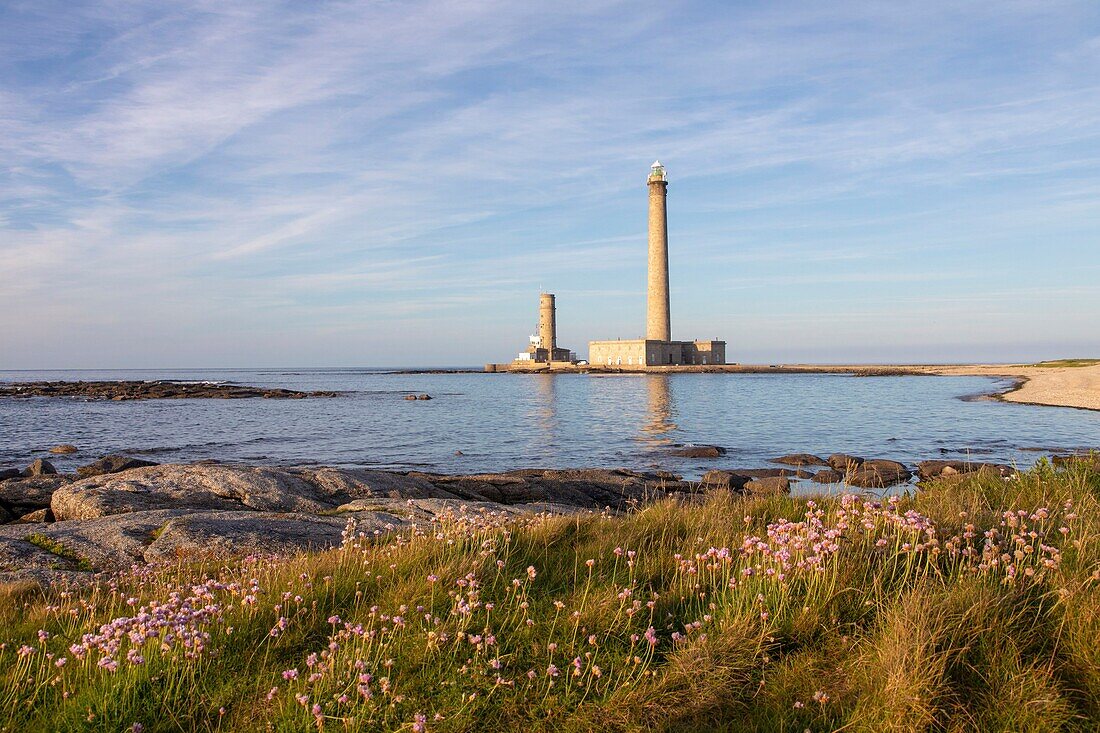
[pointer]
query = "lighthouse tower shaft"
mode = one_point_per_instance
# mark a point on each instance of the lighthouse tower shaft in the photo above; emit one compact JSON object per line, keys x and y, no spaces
{"x":548,"y":324}
{"x":658,"y":318}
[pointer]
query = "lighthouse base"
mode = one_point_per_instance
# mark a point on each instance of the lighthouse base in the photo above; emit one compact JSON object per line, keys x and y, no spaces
{"x":646,"y":352}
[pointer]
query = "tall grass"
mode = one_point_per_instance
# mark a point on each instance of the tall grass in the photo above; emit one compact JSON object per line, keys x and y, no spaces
{"x":971,"y":605}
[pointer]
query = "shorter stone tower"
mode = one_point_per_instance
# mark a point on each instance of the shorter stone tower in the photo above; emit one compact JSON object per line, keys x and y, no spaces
{"x":543,"y":347}
{"x":548,"y":324}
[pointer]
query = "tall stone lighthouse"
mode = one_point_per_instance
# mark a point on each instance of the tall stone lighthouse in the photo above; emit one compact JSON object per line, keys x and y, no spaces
{"x":657,"y":349}
{"x":658,"y":313}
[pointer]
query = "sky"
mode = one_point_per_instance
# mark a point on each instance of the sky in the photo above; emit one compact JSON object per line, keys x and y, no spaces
{"x":247,"y":184}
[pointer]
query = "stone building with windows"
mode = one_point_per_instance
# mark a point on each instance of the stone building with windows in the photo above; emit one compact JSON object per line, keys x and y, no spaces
{"x":657,"y":348}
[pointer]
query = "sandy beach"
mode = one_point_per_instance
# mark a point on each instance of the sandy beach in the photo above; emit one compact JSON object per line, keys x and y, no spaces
{"x":1060,"y":386}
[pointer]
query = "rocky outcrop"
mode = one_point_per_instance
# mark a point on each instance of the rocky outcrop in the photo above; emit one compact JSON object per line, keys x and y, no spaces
{"x":878,"y":474}
{"x":581,"y":487}
{"x":22,"y":495}
{"x":197,"y":488}
{"x":801,"y":459}
{"x":927,"y":470}
{"x":227,"y":533}
{"x":189,"y":488}
{"x":111,"y":464}
{"x":724,"y":480}
{"x":40,"y":467}
{"x":63,"y":449}
{"x":772,"y":472}
{"x":154,"y":390}
{"x":768,"y":486}
{"x":698,"y":451}
{"x":843,"y":462}
{"x":827,"y":476}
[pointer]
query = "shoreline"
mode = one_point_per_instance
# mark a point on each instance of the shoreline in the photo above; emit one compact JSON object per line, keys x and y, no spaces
{"x":118,"y":511}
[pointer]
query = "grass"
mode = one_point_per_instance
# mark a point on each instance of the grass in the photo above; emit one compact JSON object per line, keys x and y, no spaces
{"x":971,"y":606}
{"x":1068,"y":363}
{"x":53,"y":546}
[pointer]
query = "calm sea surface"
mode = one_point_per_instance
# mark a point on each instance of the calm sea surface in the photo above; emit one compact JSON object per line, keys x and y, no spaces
{"x":492,"y":422}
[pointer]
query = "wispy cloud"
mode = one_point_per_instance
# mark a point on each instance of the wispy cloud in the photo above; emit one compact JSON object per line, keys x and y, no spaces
{"x":330,"y":168}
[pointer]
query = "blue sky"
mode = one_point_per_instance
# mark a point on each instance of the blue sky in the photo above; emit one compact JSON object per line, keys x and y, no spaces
{"x":393,"y":183}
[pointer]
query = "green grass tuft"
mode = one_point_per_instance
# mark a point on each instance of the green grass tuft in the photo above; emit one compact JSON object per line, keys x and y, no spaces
{"x":53,"y":546}
{"x":1068,"y":363}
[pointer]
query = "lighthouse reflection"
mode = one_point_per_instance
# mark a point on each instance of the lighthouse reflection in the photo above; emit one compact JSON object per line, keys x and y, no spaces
{"x":545,"y":409}
{"x":659,"y":426}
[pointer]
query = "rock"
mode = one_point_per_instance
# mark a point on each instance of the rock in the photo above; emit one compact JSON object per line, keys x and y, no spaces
{"x":339,"y":486}
{"x":40,"y":467}
{"x":191,"y":488}
{"x":111,"y":464}
{"x":63,"y":449}
{"x":37,"y":516}
{"x":410,"y":398}
{"x":986,"y":470}
{"x":827,"y":476}
{"x":843,"y":462}
{"x":771,"y":472}
{"x":233,"y":533}
{"x":1084,"y":459}
{"x":29,"y":494}
{"x":768,"y":486}
{"x":7,"y":473}
{"x":724,"y":480}
{"x":698,"y":451}
{"x":591,"y":488}
{"x":227,"y":488}
{"x":801,"y":459}
{"x":424,"y":397}
{"x":149,"y":390}
{"x":928,"y":470}
{"x":878,"y":474}
{"x":427,"y":510}
{"x":108,"y":543}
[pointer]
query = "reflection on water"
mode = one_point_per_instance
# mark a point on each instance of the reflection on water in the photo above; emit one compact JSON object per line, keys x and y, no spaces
{"x":544,"y":410}
{"x":658,"y":426}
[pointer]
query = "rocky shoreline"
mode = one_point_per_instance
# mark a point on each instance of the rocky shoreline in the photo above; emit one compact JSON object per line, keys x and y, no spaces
{"x":120,"y":511}
{"x":151,"y":390}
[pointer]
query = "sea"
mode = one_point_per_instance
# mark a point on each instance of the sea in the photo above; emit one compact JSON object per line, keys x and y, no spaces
{"x":478,"y":422}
